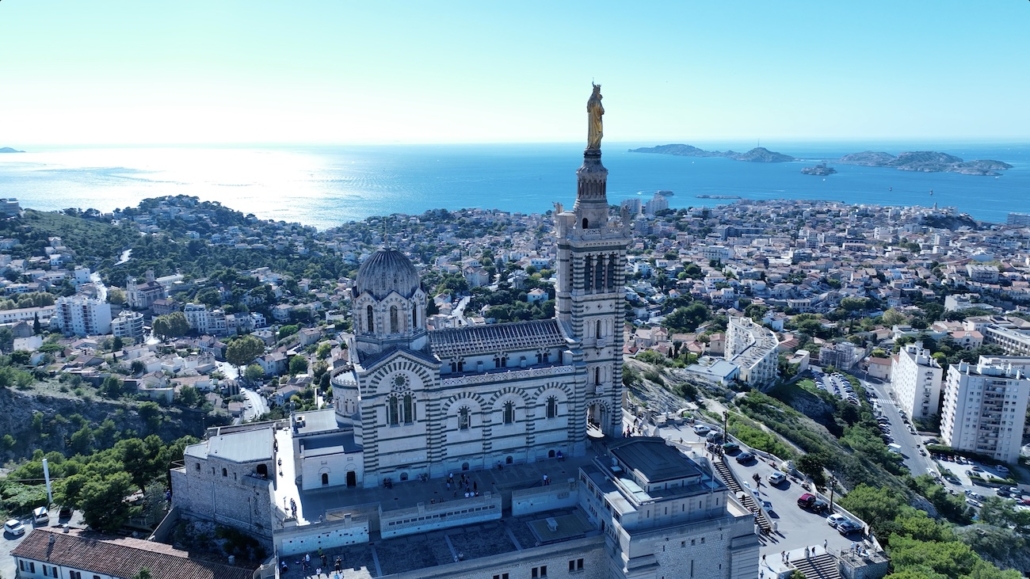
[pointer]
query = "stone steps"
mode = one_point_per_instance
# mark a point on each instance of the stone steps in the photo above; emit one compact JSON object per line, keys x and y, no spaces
{"x":726,"y":474}
{"x":823,"y":566}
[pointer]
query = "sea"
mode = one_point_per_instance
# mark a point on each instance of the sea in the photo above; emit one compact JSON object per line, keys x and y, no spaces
{"x":326,"y":186}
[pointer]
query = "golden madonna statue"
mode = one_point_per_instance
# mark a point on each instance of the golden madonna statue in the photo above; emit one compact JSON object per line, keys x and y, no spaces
{"x":594,"y":113}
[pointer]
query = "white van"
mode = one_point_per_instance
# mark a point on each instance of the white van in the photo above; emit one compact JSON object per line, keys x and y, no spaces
{"x":40,"y":516}
{"x":895,"y":448}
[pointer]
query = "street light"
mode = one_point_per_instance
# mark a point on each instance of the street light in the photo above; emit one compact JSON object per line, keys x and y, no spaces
{"x":833,"y":481}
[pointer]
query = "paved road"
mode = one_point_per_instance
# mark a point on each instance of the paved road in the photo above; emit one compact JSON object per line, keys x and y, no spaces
{"x":796,"y":527}
{"x":256,"y":404}
{"x":910,"y":443}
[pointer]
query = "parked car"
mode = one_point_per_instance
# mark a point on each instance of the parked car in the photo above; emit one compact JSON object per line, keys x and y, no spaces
{"x":701,"y":429}
{"x":730,"y":447}
{"x":40,"y":516}
{"x":745,"y":457}
{"x":812,"y":503}
{"x":835,"y":519}
{"x":847,"y":526}
{"x":14,"y":527}
{"x":714,"y":436}
{"x":776,"y":478}
{"x":1003,"y":492}
{"x":1002,"y":469}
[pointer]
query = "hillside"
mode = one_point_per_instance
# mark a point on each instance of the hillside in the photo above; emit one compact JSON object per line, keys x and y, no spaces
{"x":47,"y":421}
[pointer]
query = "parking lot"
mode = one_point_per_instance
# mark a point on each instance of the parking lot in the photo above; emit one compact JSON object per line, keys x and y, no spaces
{"x":9,"y":542}
{"x":796,"y":528}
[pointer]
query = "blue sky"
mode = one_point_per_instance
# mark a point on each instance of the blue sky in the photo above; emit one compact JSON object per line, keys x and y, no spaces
{"x":100,"y":72}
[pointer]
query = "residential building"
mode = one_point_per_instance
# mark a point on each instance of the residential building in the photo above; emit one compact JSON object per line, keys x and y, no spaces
{"x":754,"y":349}
{"x":128,"y":324}
{"x":843,"y":355}
{"x":985,"y":407}
{"x":78,"y":554}
{"x":82,"y":316}
{"x":916,"y":379}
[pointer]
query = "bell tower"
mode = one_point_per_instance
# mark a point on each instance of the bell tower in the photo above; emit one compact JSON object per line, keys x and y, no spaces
{"x":591,"y":303}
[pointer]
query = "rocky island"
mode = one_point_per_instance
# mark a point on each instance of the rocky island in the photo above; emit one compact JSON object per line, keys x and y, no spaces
{"x":9,"y":150}
{"x":926,"y":162}
{"x":820,"y":170}
{"x":756,"y":155}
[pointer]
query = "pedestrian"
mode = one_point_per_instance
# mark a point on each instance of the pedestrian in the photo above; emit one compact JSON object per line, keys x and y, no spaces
{"x":806,"y":552}
{"x":824,"y":545}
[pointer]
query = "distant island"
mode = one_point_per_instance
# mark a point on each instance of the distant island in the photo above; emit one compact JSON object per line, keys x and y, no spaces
{"x":926,"y":162}
{"x":756,"y":155}
{"x":820,"y":170}
{"x":9,"y":150}
{"x":718,"y":196}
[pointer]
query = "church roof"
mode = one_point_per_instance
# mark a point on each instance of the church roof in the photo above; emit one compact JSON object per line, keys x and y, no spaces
{"x":388,"y":270}
{"x":456,"y":342}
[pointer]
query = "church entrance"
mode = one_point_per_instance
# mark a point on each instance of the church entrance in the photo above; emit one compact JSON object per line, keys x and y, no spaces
{"x":596,"y":419}
{"x":352,"y":479}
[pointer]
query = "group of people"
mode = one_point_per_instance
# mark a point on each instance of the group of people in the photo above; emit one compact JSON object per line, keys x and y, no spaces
{"x":463,"y":484}
{"x":305,"y":565}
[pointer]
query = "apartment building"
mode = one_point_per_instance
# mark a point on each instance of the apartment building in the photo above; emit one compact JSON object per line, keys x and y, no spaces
{"x":754,"y":349}
{"x":985,"y":407}
{"x":83,"y":316}
{"x":128,"y":324}
{"x":916,"y":379}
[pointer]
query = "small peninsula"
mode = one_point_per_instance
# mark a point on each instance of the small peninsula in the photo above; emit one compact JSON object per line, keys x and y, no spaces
{"x":926,"y":162}
{"x":820,"y":170}
{"x":756,"y":155}
{"x":9,"y":150}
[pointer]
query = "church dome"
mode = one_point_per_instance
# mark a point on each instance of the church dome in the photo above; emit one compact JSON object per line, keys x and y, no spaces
{"x":388,"y":270}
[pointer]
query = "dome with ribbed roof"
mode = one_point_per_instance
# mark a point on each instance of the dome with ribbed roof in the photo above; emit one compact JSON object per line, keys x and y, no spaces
{"x":388,"y":270}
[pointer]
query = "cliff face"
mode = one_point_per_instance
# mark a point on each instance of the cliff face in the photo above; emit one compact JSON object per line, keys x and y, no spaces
{"x":60,"y":418}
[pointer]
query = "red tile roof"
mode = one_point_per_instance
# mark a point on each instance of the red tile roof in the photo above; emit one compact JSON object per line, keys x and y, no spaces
{"x":120,"y":556}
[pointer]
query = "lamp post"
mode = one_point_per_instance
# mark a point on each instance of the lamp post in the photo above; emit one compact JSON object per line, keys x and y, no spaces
{"x":725,"y":423}
{"x":833,"y":481}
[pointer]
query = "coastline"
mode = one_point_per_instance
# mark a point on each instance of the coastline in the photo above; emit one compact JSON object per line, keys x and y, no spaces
{"x":325,"y":186}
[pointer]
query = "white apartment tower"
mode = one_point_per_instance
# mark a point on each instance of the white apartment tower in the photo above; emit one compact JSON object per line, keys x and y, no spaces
{"x":83,"y":316}
{"x":916,"y":378}
{"x":985,"y":408}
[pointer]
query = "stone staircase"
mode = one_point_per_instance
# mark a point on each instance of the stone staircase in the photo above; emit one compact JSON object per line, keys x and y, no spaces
{"x":722,"y":470}
{"x":822,"y":566}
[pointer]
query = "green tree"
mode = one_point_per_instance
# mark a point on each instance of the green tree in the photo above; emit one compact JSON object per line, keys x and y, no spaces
{"x":287,"y":331}
{"x":112,"y":387}
{"x":242,"y":351}
{"x":115,"y":296}
{"x":102,"y":501}
{"x":813,"y":464}
{"x":324,"y":350}
{"x":137,"y":461}
{"x":298,"y":365}
{"x":172,"y":325}
{"x":892,"y":317}
{"x":687,"y":319}
{"x":875,"y":506}
{"x":150,"y":412}
{"x":190,"y":397}
{"x":254,"y":373}
{"x":82,"y":440}
{"x":143,"y":573}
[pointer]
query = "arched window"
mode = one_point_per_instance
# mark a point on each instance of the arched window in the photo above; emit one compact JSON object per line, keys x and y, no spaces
{"x":225,"y":472}
{"x":599,"y":274}
{"x":409,"y":409}
{"x":585,"y":223}
{"x":463,"y":418}
{"x":611,"y":272}
{"x":509,"y":412}
{"x":597,"y":375}
{"x":552,"y":407}
{"x":369,"y":316}
{"x":394,"y":322}
{"x":392,"y":415}
{"x":414,"y":316}
{"x":597,"y":331}
{"x":588,"y":269}
{"x":325,"y":478}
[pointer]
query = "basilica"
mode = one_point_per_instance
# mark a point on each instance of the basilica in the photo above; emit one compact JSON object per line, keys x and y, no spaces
{"x":413,"y":402}
{"x":479,"y":452}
